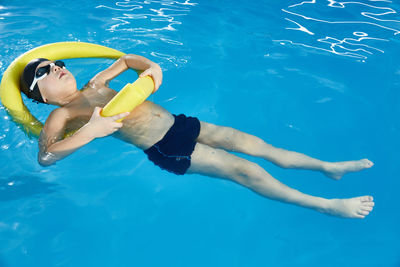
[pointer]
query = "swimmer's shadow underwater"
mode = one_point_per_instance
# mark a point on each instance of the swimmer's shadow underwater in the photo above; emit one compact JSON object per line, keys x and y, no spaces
{"x":24,"y":186}
{"x":177,"y":143}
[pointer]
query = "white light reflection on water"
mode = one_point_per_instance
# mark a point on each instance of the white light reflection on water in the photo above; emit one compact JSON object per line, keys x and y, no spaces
{"x":359,"y":37}
{"x":167,"y":13}
{"x":149,"y":23}
{"x":172,"y":59}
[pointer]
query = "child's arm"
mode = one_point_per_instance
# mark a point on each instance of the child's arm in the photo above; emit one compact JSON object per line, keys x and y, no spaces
{"x":138,"y":63}
{"x":53,"y":148}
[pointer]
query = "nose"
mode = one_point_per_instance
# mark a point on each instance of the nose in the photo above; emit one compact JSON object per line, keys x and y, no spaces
{"x":56,"y":68}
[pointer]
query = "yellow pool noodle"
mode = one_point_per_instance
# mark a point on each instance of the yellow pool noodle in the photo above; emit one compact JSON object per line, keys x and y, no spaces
{"x":132,"y":95}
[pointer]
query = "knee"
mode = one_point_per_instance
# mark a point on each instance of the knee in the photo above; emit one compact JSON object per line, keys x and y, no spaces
{"x":282,"y":158}
{"x":248,"y":173}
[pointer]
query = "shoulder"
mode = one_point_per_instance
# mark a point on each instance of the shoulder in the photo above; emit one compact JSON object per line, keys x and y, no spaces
{"x":60,"y":112}
{"x":57,"y":116}
{"x":95,"y":83}
{"x":55,"y":124}
{"x":104,"y":77}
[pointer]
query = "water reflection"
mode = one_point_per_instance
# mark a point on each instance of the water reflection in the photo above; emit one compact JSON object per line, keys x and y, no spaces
{"x":150,"y":23}
{"x":166,"y":12}
{"x":351,"y":29}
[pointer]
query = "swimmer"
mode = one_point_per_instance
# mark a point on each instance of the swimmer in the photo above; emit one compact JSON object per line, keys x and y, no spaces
{"x":176,"y":143}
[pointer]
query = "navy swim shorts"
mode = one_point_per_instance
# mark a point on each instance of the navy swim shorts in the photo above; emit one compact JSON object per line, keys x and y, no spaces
{"x":173,"y":152}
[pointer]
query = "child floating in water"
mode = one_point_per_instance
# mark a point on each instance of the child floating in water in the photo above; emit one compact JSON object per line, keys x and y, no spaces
{"x":178,"y":144}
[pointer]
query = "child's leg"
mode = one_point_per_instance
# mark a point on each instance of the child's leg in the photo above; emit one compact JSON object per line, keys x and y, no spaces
{"x":221,"y":164}
{"x":231,"y":139}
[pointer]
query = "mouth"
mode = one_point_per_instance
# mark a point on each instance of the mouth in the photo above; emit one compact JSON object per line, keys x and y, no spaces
{"x":62,"y":74}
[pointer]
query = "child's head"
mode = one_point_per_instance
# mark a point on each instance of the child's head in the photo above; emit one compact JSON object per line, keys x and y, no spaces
{"x":46,"y":81}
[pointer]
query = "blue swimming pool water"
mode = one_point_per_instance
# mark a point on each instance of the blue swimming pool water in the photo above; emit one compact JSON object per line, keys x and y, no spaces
{"x":318,"y":77}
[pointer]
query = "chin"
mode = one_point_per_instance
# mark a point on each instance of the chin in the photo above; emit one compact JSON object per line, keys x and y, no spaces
{"x":71,"y":85}
{"x":69,"y":79}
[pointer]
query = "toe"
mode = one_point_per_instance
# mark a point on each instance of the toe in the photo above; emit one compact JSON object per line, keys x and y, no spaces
{"x":367,"y":163}
{"x":368,"y":204}
{"x":367,"y":199}
{"x":363,"y":212}
{"x":371,"y":163}
{"x":366,"y":208}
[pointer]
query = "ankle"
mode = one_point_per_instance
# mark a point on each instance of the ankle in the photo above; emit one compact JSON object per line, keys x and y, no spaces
{"x":326,"y":166}
{"x":325,"y":205}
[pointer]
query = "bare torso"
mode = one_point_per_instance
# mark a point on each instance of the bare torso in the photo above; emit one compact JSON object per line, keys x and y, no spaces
{"x":143,"y":127}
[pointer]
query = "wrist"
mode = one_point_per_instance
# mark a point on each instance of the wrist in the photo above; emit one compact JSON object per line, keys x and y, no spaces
{"x":154,"y":65}
{"x":87,"y":132}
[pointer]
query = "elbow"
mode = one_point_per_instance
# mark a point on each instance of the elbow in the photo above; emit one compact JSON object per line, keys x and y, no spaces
{"x":44,"y":163}
{"x":46,"y":159}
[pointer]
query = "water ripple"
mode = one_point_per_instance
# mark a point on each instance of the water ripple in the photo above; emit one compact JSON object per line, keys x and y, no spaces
{"x":149,"y":23}
{"x":128,"y":21}
{"x":359,"y":36}
{"x":172,"y":59}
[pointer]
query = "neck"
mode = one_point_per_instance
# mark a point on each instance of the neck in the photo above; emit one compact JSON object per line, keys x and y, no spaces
{"x":69,"y":99}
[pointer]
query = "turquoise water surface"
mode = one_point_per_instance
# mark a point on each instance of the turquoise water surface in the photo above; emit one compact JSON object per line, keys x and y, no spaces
{"x":318,"y":77}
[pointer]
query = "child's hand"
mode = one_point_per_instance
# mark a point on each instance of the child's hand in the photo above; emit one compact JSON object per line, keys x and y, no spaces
{"x":156,"y":73}
{"x":100,"y":126}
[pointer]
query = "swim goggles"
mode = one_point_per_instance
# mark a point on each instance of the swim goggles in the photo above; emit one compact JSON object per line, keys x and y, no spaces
{"x":44,"y":71}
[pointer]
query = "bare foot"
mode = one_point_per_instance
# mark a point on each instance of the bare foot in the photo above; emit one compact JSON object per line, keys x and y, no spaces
{"x":357,"y":207}
{"x":336,"y":170}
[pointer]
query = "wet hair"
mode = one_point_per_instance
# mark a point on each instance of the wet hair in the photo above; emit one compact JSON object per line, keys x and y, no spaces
{"x":27,"y":77}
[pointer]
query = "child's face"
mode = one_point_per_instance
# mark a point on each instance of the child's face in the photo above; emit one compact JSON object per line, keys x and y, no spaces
{"x":58,"y":84}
